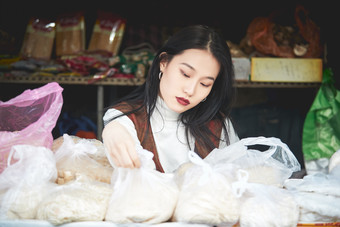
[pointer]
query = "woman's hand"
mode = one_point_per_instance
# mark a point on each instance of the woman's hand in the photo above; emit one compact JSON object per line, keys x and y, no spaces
{"x":120,"y":145}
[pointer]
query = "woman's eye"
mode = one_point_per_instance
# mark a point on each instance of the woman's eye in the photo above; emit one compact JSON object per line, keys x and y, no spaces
{"x":184,"y":74}
{"x":205,"y":85}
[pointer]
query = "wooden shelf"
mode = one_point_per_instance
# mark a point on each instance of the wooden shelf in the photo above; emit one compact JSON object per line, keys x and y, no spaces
{"x":76,"y":80}
{"x":88,"y":80}
{"x":252,"y":84}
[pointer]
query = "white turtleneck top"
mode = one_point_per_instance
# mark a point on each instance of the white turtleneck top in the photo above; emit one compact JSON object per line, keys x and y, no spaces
{"x":168,"y":133}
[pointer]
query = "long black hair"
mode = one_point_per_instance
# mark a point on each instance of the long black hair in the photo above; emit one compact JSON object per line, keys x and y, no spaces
{"x":220,"y":100}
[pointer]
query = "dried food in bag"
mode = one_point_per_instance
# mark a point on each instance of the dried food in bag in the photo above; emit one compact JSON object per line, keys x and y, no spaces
{"x":81,"y":157}
{"x":24,"y":184}
{"x":267,"y":206}
{"x":107,"y":33}
{"x":142,"y":195}
{"x":206,"y":193}
{"x":79,"y":200}
{"x":271,"y":166}
{"x":39,"y":39}
{"x":70,"y":34}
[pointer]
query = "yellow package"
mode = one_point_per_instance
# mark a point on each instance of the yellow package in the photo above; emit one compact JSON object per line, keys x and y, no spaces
{"x":107,"y":33}
{"x":70,"y":34}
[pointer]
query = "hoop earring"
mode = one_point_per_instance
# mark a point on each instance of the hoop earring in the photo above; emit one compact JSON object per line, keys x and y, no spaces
{"x":160,"y":75}
{"x":204,"y":99}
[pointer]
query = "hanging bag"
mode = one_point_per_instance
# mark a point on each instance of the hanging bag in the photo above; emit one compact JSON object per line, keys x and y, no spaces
{"x":29,"y":119}
{"x":321,"y":130}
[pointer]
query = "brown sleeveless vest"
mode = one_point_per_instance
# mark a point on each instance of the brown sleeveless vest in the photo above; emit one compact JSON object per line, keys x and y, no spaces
{"x":147,"y":141}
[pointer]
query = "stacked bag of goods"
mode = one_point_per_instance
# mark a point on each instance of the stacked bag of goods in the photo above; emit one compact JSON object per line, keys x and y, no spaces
{"x":238,"y":186}
{"x":234,"y":186}
{"x":79,"y":184}
{"x":70,"y":179}
{"x":73,"y":186}
{"x":318,"y":194}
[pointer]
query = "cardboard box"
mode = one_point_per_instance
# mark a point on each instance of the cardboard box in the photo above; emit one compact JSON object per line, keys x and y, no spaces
{"x":286,"y":69}
{"x":241,"y":68}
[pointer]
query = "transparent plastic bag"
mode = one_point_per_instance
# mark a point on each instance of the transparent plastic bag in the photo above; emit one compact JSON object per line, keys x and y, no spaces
{"x":317,"y":207}
{"x":142,"y":195}
{"x":272,"y":166}
{"x":334,"y":164}
{"x":29,"y":119}
{"x":81,"y":200}
{"x":207,"y":195}
{"x":81,"y":157}
{"x":268,"y":206}
{"x":24,"y":183}
{"x":318,"y":196}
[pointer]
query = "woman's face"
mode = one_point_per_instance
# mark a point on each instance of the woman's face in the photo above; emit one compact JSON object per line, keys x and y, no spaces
{"x":187,"y":79}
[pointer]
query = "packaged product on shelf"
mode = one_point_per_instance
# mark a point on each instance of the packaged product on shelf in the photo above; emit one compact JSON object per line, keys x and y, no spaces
{"x":39,"y":38}
{"x":70,"y":34}
{"x":107,"y":33}
{"x":296,"y":40}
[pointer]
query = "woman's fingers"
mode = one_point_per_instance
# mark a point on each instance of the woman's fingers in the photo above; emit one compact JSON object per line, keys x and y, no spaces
{"x":120,"y":146}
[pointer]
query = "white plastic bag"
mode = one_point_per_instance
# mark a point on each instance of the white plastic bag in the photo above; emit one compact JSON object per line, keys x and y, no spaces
{"x":268,"y":206}
{"x":142,"y":195}
{"x":321,"y":183}
{"x":81,"y":200}
{"x":206,"y":193}
{"x":334,"y":164}
{"x":316,"y":207}
{"x":25,"y":183}
{"x":76,"y":157}
{"x":272,"y":166}
{"x":318,"y":196}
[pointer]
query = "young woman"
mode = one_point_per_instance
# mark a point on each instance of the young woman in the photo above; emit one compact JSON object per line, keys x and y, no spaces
{"x":184,"y":105}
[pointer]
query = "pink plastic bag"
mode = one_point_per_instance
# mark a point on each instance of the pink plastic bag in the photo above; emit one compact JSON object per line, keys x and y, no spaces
{"x":29,"y":119}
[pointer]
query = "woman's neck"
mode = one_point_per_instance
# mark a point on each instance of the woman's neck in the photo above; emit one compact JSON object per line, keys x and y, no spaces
{"x":165,"y":111}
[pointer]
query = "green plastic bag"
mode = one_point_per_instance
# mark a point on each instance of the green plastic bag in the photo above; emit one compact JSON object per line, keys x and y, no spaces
{"x":321,"y":130}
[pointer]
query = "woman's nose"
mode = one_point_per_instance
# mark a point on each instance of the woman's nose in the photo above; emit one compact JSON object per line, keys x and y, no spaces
{"x":190,"y":88}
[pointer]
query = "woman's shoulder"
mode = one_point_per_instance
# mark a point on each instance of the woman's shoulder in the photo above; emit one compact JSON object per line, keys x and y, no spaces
{"x":127,"y":106}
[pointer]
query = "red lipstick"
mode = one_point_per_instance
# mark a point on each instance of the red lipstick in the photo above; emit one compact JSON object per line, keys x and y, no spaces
{"x":183,"y":101}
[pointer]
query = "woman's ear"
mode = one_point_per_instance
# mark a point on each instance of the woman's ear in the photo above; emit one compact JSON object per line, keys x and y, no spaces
{"x":162,"y":66}
{"x":163,"y":61}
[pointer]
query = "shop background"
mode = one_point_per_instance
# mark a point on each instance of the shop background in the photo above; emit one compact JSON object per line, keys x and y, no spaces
{"x":275,"y":112}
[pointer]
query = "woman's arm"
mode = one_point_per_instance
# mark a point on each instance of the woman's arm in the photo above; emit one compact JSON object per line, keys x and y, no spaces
{"x":120,"y":140}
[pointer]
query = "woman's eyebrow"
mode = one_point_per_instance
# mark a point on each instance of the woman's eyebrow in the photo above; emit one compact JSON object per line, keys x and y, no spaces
{"x":186,"y":64}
